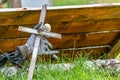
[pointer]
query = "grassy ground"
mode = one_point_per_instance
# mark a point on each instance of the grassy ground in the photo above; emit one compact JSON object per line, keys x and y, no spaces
{"x":78,"y":2}
{"x":79,"y":72}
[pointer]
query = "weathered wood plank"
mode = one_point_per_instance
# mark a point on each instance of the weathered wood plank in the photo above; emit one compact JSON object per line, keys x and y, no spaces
{"x":115,"y":50}
{"x":37,"y":43}
{"x":79,"y":40}
{"x":86,"y":26}
{"x":79,"y":14}
{"x":65,"y":28}
{"x":97,"y":52}
{"x":8,"y":32}
{"x":67,"y":41}
{"x":11,"y":44}
{"x":34,"y":31}
{"x":55,"y":14}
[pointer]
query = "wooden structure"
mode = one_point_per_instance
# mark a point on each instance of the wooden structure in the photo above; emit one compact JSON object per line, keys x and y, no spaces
{"x":83,"y":27}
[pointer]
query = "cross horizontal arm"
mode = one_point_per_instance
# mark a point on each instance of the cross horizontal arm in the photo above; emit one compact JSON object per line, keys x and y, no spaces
{"x":43,"y":33}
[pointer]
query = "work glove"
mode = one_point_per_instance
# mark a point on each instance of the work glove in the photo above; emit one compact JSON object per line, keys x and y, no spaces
{"x":17,"y":57}
{"x":44,"y":46}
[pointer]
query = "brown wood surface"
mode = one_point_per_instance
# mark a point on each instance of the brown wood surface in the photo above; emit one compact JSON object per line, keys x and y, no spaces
{"x":59,"y":14}
{"x":115,"y":50}
{"x":65,"y":28}
{"x":67,"y":41}
{"x":73,"y":22}
{"x":11,"y":44}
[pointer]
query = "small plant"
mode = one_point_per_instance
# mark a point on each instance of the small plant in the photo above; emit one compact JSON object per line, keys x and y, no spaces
{"x":118,"y":56}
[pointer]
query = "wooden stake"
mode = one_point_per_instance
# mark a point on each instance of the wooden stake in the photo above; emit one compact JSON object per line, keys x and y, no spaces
{"x":33,"y":60}
{"x":114,"y":51}
{"x":36,"y":45}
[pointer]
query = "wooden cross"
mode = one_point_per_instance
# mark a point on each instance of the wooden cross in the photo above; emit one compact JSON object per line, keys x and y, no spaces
{"x":38,"y":34}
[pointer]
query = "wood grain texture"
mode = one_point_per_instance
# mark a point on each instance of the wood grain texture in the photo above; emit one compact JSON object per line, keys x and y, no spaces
{"x":59,"y":14}
{"x":114,"y":51}
{"x":67,"y":41}
{"x":64,"y":28}
{"x":11,"y":44}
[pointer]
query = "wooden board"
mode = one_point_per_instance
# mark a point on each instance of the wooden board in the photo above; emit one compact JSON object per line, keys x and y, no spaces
{"x":65,"y":28}
{"x":67,"y":41}
{"x":60,"y":14}
{"x":115,"y":50}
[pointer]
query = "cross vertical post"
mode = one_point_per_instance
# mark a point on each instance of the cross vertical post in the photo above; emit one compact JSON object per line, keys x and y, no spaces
{"x":39,"y":45}
{"x":36,"y":44}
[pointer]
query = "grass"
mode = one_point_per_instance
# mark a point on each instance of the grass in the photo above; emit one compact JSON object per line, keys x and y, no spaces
{"x":79,"y":72}
{"x":69,"y":2}
{"x":118,"y":56}
{"x":80,"y":2}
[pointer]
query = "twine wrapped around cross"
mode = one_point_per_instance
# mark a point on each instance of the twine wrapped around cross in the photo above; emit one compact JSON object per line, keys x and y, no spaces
{"x":41,"y":33}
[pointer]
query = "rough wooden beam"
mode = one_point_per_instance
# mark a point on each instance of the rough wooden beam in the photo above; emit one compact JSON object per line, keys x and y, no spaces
{"x":115,"y":50}
{"x":36,"y":44}
{"x":91,"y":47}
{"x":79,"y":40}
{"x":34,"y":57}
{"x":34,"y":31}
{"x":55,"y":14}
{"x":65,"y":28}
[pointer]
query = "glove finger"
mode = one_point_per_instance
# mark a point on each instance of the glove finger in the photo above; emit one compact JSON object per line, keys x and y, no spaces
{"x":30,"y":42}
{"x":48,"y":52}
{"x":37,"y":26}
{"x":48,"y":43}
{"x":54,"y":56}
